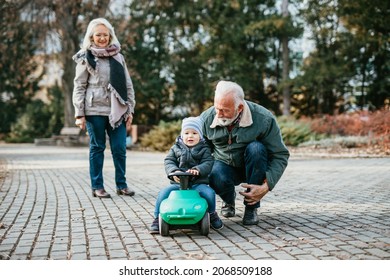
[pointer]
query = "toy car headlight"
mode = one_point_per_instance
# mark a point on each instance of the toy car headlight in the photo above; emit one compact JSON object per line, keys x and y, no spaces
{"x":197,"y":206}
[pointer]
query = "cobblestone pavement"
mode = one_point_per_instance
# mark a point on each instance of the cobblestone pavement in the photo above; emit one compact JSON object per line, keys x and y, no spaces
{"x":322,"y":208}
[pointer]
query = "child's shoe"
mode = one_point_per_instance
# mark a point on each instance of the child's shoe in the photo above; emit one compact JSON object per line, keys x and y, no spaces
{"x":215,"y":222}
{"x":154,"y":228}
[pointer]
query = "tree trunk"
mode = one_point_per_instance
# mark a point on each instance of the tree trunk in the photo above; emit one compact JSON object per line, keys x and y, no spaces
{"x":286,"y":69}
{"x":67,"y":80}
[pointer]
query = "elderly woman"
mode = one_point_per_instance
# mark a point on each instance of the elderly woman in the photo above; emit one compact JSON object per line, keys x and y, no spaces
{"x":104,"y":101}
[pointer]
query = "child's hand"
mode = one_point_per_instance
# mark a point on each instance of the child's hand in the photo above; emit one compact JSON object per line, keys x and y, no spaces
{"x":176,"y":179}
{"x":193,"y":172}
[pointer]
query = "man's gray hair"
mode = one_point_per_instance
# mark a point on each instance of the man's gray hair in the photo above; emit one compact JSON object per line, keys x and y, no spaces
{"x":91,"y":27}
{"x":225,"y":88}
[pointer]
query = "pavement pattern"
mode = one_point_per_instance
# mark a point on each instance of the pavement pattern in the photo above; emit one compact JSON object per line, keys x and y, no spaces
{"x":323,"y":208}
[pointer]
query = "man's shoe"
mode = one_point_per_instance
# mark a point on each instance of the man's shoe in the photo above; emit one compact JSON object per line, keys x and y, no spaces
{"x":100,"y":193}
{"x":228,"y":210}
{"x":154,"y":228}
{"x":250,"y":217}
{"x":125,"y":191}
{"x":215,"y":222}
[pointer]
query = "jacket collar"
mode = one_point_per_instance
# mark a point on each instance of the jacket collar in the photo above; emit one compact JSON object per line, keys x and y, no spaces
{"x":246,"y":118}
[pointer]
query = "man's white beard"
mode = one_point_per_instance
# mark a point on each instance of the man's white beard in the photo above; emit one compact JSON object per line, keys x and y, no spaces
{"x":226,"y":121}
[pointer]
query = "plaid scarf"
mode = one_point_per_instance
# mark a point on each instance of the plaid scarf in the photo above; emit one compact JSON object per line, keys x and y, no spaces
{"x":117,"y":73}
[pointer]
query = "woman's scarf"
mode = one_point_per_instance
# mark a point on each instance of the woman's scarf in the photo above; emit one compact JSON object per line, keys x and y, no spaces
{"x":117,"y":73}
{"x":117,"y":86}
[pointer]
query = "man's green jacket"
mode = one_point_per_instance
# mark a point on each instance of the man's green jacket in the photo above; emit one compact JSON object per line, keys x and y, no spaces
{"x":256,"y":123}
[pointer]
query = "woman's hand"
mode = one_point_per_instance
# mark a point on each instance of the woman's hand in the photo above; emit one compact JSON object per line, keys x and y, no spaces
{"x":129,"y":121}
{"x":80,"y":122}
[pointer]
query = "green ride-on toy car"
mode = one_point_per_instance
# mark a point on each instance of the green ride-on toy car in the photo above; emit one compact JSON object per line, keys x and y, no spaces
{"x":184,"y":208}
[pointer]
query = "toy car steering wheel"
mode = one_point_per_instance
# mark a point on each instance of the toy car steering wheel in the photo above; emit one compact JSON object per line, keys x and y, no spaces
{"x":184,"y":176}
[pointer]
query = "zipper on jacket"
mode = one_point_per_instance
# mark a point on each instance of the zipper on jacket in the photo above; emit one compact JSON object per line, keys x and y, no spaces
{"x":229,"y":146}
{"x":91,"y":99}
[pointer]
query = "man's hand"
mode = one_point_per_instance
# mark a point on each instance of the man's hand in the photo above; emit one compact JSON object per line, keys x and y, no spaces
{"x":254,"y":193}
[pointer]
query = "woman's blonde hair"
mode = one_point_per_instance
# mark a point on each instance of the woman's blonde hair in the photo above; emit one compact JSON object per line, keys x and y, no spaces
{"x":91,"y":27}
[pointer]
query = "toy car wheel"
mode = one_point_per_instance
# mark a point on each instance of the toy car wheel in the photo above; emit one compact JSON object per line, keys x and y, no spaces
{"x":204,"y":224}
{"x":164,"y":227}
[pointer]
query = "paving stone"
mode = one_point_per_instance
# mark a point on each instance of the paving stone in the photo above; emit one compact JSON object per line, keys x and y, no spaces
{"x":280,"y":255}
{"x":379,"y":253}
{"x":308,"y":215}
{"x":258,"y":254}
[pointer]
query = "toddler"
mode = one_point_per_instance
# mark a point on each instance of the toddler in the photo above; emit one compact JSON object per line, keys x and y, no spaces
{"x":192,"y":154}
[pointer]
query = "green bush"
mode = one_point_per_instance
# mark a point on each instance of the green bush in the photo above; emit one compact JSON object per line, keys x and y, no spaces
{"x":295,"y":132}
{"x":32,"y":123}
{"x":161,"y":137}
{"x":56,"y":109}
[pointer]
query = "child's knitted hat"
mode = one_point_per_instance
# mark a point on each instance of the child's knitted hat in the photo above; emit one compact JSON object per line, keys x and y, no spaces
{"x":194,"y":123}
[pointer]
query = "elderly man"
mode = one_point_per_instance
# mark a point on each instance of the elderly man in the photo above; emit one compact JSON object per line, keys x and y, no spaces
{"x":247,"y":147}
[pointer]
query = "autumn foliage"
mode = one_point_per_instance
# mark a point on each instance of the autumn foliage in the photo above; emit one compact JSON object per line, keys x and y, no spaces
{"x":375,"y":125}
